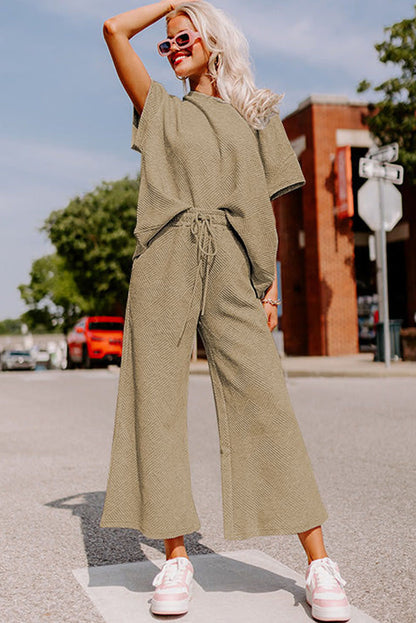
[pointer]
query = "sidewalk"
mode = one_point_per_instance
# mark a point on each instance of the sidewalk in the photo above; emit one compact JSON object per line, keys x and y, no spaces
{"x":361,"y":365}
{"x":229,"y":587}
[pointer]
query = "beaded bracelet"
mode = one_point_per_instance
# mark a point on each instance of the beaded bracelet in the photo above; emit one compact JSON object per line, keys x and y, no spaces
{"x":272,"y":301}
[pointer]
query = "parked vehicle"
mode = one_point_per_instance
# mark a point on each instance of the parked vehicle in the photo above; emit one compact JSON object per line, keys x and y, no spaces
{"x":95,"y":340}
{"x":17,"y":360}
{"x":42,"y":357}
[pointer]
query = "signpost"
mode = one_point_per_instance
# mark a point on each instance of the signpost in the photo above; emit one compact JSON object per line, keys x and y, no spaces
{"x":372,"y":168}
{"x":386,"y":153}
{"x":380,"y":206}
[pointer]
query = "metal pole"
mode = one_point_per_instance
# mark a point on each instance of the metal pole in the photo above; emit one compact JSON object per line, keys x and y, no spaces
{"x":379,"y":273}
{"x":385,"y":290}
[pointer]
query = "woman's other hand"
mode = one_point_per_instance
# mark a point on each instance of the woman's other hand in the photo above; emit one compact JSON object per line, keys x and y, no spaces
{"x":271,"y":310}
{"x":271,"y":314}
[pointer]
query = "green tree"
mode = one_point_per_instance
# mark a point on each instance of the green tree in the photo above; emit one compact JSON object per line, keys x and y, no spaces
{"x":94,"y":237}
{"x":52,"y":296}
{"x":10,"y":326}
{"x":393,"y":117}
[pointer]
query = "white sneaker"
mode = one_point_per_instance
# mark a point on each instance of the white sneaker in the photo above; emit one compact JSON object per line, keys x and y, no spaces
{"x":173,"y":587}
{"x":324,"y":591}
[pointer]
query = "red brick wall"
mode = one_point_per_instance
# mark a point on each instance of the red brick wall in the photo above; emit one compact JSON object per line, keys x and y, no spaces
{"x":293,"y":323}
{"x":339,"y":323}
{"x":330,"y":290}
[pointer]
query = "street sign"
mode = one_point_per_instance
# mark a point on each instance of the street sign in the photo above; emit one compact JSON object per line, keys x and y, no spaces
{"x":371,"y":195}
{"x":380,"y":206}
{"x":368,"y":167}
{"x":385,"y":153}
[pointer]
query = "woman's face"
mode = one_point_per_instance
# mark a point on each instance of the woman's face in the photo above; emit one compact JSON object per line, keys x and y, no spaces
{"x":191,"y":62}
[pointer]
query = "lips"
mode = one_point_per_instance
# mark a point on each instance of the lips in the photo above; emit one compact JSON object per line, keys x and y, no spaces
{"x":179,"y":57}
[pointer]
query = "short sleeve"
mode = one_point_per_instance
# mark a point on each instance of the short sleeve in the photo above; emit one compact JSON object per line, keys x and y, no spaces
{"x":281,"y":166}
{"x":156,"y":106}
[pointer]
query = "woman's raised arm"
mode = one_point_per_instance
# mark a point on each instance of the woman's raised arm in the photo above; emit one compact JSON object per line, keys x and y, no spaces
{"x":117,"y":32}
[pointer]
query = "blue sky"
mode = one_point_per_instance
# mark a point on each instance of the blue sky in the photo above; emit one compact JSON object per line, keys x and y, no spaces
{"x":66,"y":119}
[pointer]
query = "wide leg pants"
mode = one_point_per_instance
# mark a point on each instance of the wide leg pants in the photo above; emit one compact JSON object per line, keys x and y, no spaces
{"x":195,"y":274}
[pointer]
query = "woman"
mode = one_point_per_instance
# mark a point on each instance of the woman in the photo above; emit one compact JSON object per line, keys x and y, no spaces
{"x":206,"y":259}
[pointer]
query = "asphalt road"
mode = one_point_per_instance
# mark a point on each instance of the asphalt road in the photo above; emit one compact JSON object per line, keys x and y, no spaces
{"x":56,"y":431}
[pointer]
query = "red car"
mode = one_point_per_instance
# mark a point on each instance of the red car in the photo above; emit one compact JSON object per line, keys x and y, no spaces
{"x":94,"y":340}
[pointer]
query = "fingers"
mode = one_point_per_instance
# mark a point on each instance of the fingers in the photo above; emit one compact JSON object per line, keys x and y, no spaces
{"x":271,"y":314}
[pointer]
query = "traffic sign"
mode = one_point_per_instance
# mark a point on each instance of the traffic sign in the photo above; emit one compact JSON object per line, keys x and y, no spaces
{"x":369,"y":167}
{"x":380,"y":205}
{"x":385,"y":153}
{"x":371,"y":195}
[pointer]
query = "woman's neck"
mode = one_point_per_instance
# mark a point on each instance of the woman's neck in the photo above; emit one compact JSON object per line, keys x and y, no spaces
{"x":204,"y":84}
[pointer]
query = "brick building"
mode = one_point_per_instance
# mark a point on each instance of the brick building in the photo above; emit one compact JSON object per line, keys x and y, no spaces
{"x":325,"y":262}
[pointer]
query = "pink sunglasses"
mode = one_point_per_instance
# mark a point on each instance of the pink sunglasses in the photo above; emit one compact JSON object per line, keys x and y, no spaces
{"x":183,"y":39}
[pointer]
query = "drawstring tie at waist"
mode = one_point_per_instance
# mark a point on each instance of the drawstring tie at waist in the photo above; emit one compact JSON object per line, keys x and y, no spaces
{"x":201,"y":225}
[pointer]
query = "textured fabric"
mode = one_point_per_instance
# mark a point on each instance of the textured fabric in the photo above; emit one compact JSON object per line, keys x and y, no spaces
{"x":268,"y":485}
{"x":199,"y":152}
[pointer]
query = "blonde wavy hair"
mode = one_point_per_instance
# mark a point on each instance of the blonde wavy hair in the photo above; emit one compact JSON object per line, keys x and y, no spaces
{"x":229,"y":62}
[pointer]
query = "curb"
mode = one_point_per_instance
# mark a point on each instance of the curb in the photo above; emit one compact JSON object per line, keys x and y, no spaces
{"x":353,"y":369}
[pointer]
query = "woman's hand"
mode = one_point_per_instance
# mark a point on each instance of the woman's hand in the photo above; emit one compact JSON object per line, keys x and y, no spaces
{"x":175,"y":3}
{"x":271,"y":310}
{"x":271,"y":313}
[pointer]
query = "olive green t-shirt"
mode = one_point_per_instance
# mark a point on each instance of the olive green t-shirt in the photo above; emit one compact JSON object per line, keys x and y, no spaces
{"x":199,"y":152}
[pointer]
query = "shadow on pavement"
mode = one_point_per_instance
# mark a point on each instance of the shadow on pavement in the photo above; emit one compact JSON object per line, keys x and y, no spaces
{"x":117,"y":546}
{"x":112,"y":546}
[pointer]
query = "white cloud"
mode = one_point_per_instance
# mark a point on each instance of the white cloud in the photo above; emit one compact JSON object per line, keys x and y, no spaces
{"x":321,"y":33}
{"x":55,"y":164}
{"x":320,"y":36}
{"x":91,"y":8}
{"x":37,"y":178}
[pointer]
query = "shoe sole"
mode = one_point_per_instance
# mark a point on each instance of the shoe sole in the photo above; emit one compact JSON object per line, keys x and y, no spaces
{"x":329,"y":614}
{"x":170,"y":607}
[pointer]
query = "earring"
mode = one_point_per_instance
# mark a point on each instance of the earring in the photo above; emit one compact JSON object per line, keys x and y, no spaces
{"x":183,"y":80}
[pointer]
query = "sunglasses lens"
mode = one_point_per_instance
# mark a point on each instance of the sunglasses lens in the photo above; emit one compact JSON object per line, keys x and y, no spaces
{"x":183,"y":39}
{"x":164,"y":47}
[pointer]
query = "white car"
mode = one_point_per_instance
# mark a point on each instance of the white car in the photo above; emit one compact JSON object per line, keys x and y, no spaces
{"x":17,"y":360}
{"x":42,"y":357}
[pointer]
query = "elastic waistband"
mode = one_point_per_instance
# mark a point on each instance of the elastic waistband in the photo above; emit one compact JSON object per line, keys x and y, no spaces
{"x":217,"y":217}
